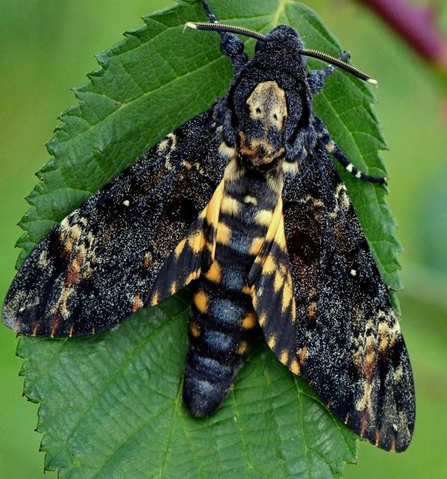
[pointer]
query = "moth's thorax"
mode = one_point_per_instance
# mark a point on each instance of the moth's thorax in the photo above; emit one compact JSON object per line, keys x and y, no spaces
{"x":255,"y":132}
{"x":261,"y":135}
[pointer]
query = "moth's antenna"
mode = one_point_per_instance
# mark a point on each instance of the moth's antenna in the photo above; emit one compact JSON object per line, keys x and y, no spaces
{"x":338,"y":63}
{"x":222,"y":27}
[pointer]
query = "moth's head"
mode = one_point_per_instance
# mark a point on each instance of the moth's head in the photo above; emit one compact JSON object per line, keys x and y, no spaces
{"x":281,"y":45}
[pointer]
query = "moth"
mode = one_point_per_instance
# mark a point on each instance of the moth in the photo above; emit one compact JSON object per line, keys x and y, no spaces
{"x":244,"y":204}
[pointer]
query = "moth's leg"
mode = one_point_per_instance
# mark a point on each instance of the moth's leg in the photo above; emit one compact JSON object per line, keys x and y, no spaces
{"x":333,"y":149}
{"x":208,"y":12}
{"x":230,"y":45}
{"x":316,"y":78}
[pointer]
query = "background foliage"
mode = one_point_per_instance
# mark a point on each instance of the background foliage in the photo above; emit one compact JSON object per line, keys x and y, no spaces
{"x":48,"y":47}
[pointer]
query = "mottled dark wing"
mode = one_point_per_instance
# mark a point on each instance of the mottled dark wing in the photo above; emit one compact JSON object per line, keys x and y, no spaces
{"x":348,"y":341}
{"x":99,"y":265}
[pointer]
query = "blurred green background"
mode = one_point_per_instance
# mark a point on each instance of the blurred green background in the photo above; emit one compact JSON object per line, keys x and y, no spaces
{"x":47,"y":47}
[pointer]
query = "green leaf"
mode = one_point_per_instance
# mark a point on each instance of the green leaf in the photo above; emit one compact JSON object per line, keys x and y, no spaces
{"x":110,"y":405}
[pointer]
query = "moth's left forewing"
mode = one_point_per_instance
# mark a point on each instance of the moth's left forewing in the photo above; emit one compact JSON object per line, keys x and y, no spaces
{"x":99,"y":265}
{"x":348,"y":341}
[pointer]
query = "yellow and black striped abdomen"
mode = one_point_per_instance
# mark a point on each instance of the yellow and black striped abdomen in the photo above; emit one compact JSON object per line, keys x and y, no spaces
{"x":222,"y":318}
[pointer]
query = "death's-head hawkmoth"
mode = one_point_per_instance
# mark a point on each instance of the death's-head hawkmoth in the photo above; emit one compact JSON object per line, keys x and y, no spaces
{"x":243,"y":203}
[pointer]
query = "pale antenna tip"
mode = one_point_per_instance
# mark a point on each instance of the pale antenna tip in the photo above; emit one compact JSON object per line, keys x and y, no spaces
{"x":190,"y":25}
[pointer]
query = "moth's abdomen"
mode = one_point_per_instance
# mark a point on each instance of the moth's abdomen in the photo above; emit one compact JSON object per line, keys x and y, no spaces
{"x":222,"y":318}
{"x":220,"y":335}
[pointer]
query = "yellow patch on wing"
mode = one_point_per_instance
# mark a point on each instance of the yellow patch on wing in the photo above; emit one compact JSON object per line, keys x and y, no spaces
{"x":173,"y":288}
{"x":294,"y":367}
{"x":262,"y":319}
{"x":179,"y":248}
{"x":60,"y":308}
{"x":211,"y":214}
{"x":289,"y":361}
{"x":269,"y":265}
{"x":256,"y":246}
{"x":71,"y":229}
{"x":248,"y":290}
{"x":155,"y":298}
{"x":192,"y":276}
{"x":273,"y":296}
{"x":196,"y":241}
{"x":276,"y":225}
{"x":271,"y":341}
{"x":284,"y":357}
{"x":280,"y":237}
{"x":302,"y":355}
{"x":278,"y":283}
{"x":137,"y":303}
{"x":388,"y":333}
{"x":287,"y":294}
